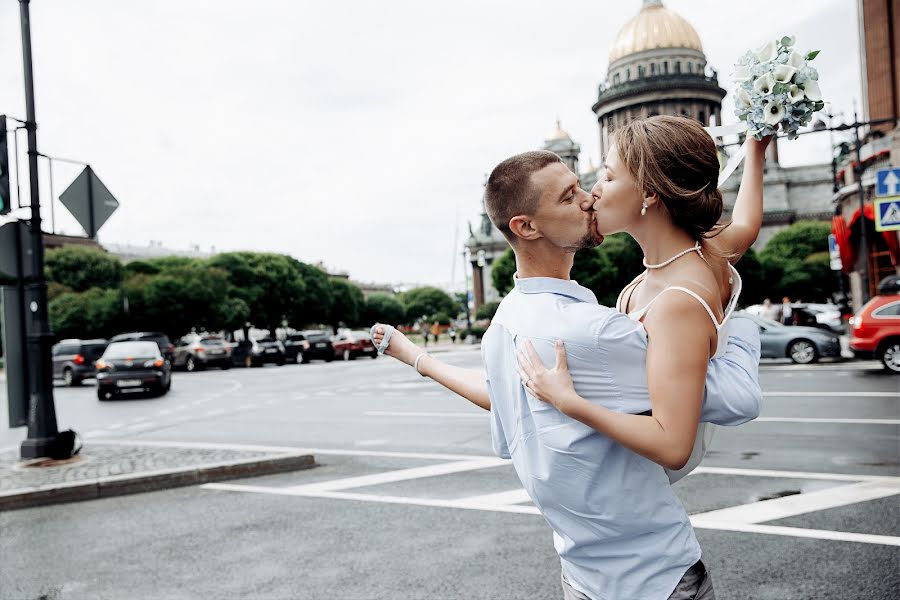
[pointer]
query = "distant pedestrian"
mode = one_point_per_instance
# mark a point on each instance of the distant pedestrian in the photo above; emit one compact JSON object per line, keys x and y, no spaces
{"x":436,"y":331}
{"x":769,"y":310}
{"x":424,"y":331}
{"x":787,"y":313}
{"x":452,"y":333}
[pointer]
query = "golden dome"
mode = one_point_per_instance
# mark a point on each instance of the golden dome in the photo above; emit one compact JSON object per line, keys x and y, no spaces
{"x":559,"y":133}
{"x":654,"y":27}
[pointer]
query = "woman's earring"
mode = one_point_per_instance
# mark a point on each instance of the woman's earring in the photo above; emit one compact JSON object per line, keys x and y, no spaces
{"x":643,"y":209}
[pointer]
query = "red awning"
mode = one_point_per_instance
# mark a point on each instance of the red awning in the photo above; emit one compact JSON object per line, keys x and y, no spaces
{"x":848,"y":239}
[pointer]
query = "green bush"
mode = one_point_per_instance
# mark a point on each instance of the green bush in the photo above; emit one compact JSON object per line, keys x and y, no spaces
{"x":487,"y":311}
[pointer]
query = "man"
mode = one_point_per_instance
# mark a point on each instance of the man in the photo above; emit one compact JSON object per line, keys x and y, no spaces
{"x":619,"y":530}
{"x":787,"y":311}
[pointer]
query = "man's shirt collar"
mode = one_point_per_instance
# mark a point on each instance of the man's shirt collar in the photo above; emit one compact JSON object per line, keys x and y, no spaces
{"x":552,"y":285}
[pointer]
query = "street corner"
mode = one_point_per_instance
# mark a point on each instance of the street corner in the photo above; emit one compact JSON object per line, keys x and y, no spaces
{"x":105,"y":469}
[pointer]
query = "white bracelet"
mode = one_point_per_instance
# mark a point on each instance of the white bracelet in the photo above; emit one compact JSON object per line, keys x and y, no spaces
{"x":416,"y":363}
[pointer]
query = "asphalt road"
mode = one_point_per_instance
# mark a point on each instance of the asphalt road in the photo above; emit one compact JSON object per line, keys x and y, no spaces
{"x":408,"y":501}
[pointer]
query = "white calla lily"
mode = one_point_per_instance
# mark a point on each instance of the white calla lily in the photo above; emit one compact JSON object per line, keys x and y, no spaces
{"x":764,"y":84}
{"x":767,"y":52}
{"x":774,"y":112}
{"x":796,"y":60}
{"x":811,"y":90}
{"x":795,"y":93}
{"x":740,"y":75}
{"x":743,"y":98}
{"x":783,"y":73}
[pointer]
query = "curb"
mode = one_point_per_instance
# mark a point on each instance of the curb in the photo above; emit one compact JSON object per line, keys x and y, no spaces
{"x":120,"y":485}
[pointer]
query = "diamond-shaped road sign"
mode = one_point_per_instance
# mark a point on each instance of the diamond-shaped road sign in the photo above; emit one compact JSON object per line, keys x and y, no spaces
{"x":89,"y":201}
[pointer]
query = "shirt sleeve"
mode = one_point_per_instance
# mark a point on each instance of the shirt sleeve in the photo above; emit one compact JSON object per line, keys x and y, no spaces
{"x":498,"y":435}
{"x":733,"y":394}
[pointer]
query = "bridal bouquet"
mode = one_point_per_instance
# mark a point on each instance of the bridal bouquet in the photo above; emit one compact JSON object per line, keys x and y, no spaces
{"x":776,"y":86}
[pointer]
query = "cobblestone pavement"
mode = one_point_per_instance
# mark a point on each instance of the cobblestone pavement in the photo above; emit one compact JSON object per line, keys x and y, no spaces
{"x":102,"y":460}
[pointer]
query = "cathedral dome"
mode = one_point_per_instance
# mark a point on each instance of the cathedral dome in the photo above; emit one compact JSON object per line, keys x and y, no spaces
{"x":654,"y":27}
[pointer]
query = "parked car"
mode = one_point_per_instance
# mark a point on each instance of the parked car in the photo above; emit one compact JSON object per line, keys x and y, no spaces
{"x":803,"y":345}
{"x":263,"y":351}
{"x":196,"y":352}
{"x":875,"y":329}
{"x":162,"y":340}
{"x":823,"y":316}
{"x":128,"y":367}
{"x":74,"y":360}
{"x":349,"y":345}
{"x":305,"y":346}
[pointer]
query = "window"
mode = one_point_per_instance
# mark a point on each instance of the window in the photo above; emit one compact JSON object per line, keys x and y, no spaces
{"x":702,"y":117}
{"x":666,"y":67}
{"x":616,"y":78}
{"x":891,"y":310}
{"x":628,"y":74}
{"x":677,"y":67}
{"x":653,"y":69}
{"x":640,"y":70}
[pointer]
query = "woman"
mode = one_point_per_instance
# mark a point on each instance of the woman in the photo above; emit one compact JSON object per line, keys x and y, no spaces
{"x":661,"y":187}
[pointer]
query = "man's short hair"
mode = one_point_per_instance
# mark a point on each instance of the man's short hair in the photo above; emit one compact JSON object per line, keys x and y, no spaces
{"x":510,"y":191}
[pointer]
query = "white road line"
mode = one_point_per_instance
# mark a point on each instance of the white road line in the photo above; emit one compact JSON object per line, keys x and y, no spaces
{"x":115,"y":426}
{"x":827,"y":420}
{"x":401,"y":475}
{"x":821,"y":534}
{"x":247,"y":406}
{"x":798,"y":504}
{"x":214,"y":412}
{"x":452,"y":415}
{"x":818,"y":534}
{"x":140,"y":426}
{"x":164,"y":412}
{"x":790,"y":474}
{"x":832,"y":394}
{"x":518,"y":496}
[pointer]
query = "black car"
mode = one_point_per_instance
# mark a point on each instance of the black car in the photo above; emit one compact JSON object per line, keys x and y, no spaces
{"x":73,"y":360}
{"x":166,"y":348}
{"x":264,"y":351}
{"x":128,"y":367}
{"x":305,"y":346}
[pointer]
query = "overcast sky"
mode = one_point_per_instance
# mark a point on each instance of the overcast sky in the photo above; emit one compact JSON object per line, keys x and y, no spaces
{"x":357,"y":133}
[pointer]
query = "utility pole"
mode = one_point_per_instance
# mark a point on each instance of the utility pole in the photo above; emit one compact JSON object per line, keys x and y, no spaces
{"x":862,"y":210}
{"x":42,"y":429}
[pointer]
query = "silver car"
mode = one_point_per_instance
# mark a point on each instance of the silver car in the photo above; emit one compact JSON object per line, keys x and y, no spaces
{"x":803,"y":345}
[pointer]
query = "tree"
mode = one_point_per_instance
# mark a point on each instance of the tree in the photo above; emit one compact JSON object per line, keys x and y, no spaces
{"x":502,"y":271}
{"x":383,"y":308}
{"x":348,"y":305}
{"x":753,"y":273}
{"x":96,"y":312}
{"x":594,"y":270}
{"x":796,"y":263}
{"x":316,"y":300}
{"x":426,"y":301}
{"x":626,"y":256}
{"x":798,"y":241}
{"x":81,"y":268}
{"x":487,"y":310}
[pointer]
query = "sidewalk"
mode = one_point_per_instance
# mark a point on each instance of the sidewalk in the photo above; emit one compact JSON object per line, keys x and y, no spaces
{"x":104,"y":469}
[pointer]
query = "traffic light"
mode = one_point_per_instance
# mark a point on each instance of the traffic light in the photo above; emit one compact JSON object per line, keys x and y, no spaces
{"x":5,"y":202}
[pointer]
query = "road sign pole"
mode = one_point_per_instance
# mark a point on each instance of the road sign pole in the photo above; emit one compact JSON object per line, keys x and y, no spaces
{"x":42,"y":429}
{"x":862,"y":211}
{"x":92,"y":232}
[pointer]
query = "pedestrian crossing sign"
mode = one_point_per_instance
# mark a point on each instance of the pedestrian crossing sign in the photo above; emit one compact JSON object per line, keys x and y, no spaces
{"x":887,"y":213}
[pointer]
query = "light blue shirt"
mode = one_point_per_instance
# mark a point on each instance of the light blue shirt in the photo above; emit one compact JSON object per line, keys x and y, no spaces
{"x":620,"y":531}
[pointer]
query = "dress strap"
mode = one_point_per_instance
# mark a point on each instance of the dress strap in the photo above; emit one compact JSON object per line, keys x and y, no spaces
{"x":643,"y":312}
{"x":623,"y":300}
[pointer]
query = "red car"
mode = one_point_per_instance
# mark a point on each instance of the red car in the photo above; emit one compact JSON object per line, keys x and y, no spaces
{"x":349,"y":345}
{"x":875,"y":329}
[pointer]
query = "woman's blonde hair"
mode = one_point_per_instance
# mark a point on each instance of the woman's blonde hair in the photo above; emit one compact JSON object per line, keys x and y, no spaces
{"x":677,"y":159}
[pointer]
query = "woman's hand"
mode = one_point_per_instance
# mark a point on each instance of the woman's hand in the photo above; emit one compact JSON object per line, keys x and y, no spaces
{"x":553,"y":386}
{"x":399,"y":347}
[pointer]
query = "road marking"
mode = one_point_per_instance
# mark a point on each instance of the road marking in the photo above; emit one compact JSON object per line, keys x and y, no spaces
{"x":372,"y":442}
{"x":818,"y":534}
{"x":468,"y":504}
{"x":460,"y":415}
{"x":248,"y":406}
{"x":789,"y":474}
{"x":402,"y":475}
{"x":832,"y":394}
{"x":115,"y":426}
{"x":518,"y":496}
{"x":799,"y":504}
{"x":164,"y":412}
{"x":827,"y":420}
{"x":214,"y":412}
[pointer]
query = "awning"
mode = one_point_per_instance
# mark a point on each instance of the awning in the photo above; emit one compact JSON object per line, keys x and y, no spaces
{"x":848,"y":234}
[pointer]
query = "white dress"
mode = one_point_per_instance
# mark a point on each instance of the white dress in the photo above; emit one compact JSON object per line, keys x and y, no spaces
{"x":705,"y":431}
